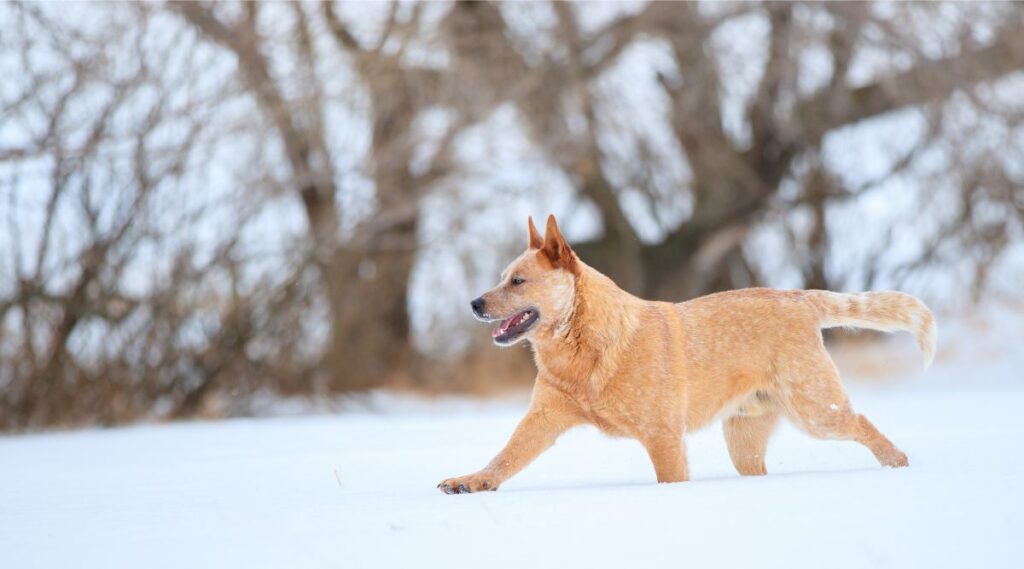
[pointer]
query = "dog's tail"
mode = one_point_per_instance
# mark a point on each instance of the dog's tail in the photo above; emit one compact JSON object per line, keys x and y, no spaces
{"x":885,"y":311}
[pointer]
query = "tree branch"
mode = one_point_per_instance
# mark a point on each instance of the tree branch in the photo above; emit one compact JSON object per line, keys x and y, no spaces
{"x":927,"y":81}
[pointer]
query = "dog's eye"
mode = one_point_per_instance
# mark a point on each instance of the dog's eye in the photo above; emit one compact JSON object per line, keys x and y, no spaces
{"x":517,"y":281}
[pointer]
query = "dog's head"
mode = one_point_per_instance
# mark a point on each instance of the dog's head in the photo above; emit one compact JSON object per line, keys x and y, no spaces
{"x":536,"y":291}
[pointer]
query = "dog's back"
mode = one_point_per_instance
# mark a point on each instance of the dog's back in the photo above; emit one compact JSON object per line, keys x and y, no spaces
{"x":758,"y":325}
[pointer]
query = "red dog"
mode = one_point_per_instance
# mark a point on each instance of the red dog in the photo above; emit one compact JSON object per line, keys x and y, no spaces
{"x":654,"y":371}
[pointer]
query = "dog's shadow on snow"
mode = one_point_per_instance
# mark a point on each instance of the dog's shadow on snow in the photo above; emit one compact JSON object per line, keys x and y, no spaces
{"x":695,"y":483}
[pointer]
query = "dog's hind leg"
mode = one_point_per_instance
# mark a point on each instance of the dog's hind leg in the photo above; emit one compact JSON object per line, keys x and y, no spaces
{"x":747,"y":434}
{"x":814,"y":398}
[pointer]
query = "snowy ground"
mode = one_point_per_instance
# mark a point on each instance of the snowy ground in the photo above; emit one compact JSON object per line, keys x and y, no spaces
{"x":357,"y":490}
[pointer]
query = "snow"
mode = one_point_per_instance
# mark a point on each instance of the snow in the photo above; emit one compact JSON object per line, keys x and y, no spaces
{"x":358,"y":490}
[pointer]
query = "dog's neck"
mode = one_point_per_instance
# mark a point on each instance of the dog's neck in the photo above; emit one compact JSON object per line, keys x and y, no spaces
{"x":582,"y":349}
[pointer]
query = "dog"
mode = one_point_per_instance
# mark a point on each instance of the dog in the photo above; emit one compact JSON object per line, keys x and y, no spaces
{"x":654,"y":371}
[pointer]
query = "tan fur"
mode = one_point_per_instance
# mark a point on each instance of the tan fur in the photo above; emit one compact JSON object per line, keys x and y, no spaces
{"x":654,"y":371}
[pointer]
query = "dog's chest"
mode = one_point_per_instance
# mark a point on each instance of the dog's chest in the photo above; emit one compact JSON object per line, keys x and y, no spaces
{"x":613,"y":416}
{"x":602,"y":409}
{"x":610,"y":424}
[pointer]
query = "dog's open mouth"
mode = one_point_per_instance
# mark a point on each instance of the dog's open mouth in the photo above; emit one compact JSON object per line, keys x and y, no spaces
{"x":514,"y":326}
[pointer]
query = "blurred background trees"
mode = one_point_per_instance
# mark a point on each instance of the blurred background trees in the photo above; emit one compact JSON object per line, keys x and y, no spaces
{"x":206,"y":204}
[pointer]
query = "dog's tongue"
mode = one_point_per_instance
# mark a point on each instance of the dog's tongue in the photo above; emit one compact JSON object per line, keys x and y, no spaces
{"x":506,"y":324}
{"x":503,"y":327}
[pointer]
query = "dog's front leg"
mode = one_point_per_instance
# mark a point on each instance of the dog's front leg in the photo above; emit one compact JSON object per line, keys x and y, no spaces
{"x":668,"y":453}
{"x":550,"y":415}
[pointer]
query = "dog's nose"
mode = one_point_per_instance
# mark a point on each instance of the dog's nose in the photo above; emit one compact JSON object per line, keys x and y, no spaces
{"x":478,"y":306}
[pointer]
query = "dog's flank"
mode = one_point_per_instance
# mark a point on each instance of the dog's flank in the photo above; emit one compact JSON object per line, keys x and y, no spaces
{"x":653,"y":371}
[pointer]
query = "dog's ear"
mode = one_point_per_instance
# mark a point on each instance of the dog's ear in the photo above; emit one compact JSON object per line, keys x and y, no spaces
{"x":536,"y":241}
{"x":556,"y":249}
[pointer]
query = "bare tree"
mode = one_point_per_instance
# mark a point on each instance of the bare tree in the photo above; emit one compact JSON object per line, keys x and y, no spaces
{"x":108,"y":315}
{"x":735,"y":181}
{"x":142,"y":160}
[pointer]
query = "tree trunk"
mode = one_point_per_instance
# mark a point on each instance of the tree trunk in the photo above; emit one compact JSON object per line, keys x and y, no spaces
{"x":370,"y":344}
{"x":816,"y":189}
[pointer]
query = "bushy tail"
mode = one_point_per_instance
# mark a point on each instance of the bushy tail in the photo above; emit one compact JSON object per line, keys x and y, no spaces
{"x":885,"y":311}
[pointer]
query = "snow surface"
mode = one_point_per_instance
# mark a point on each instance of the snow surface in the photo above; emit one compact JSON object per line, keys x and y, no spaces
{"x":358,"y":490}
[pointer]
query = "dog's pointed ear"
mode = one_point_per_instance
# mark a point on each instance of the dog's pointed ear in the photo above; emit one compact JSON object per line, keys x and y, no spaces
{"x":536,"y":241}
{"x":556,"y":249}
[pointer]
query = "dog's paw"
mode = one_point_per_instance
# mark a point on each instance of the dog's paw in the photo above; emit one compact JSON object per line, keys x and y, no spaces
{"x":468,"y":484}
{"x":895,"y":459}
